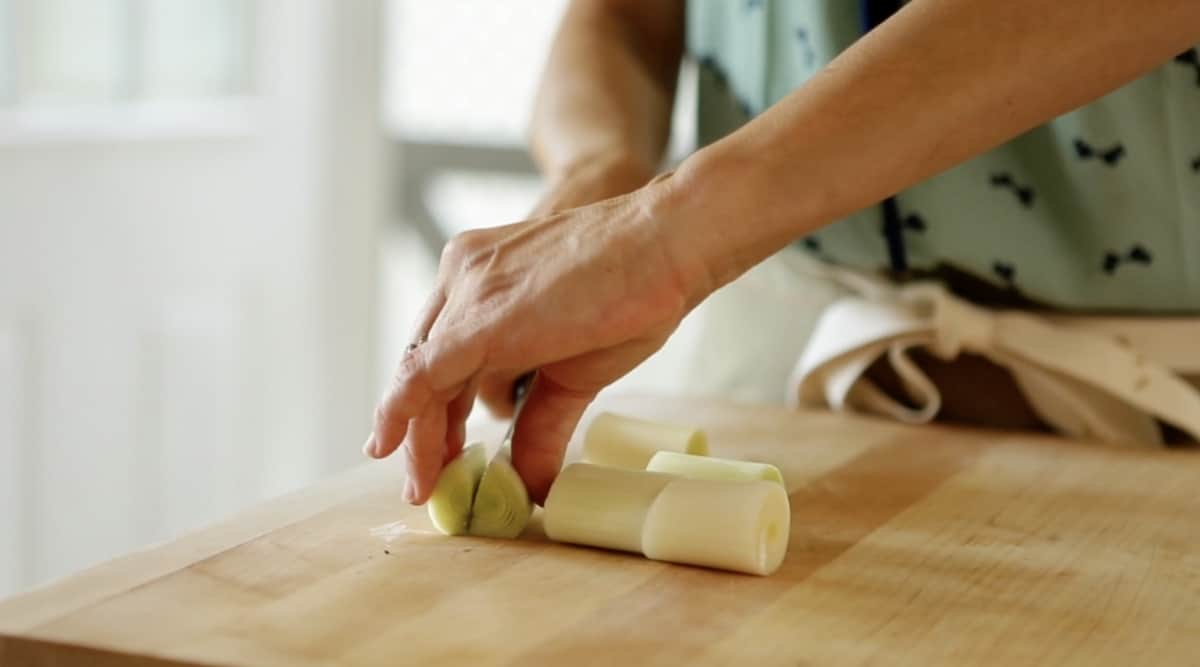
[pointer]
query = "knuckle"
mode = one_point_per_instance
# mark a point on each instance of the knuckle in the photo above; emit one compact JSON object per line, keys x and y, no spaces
{"x":451,"y":252}
{"x":472,"y":252}
{"x":491,"y":390}
{"x":409,"y":374}
{"x":480,"y":260}
{"x":414,"y":379}
{"x":382,"y":413}
{"x":498,"y":406}
{"x":410,"y":454}
{"x":412,"y":368}
{"x":462,"y":246}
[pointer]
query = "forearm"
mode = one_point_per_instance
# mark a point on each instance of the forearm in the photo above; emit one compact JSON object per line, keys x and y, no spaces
{"x":608,"y":85}
{"x":941,"y":82}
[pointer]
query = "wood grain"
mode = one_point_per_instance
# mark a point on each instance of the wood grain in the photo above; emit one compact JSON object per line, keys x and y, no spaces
{"x":909,"y":546}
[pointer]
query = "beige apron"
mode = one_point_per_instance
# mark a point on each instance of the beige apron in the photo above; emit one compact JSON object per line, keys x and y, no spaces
{"x":1101,"y":378}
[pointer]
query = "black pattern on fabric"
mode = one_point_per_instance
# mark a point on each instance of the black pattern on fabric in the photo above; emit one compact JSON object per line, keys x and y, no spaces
{"x":806,"y":47}
{"x":814,"y":246}
{"x":1024,"y":193}
{"x":914,"y":223}
{"x":1006,"y":271}
{"x":1190,"y":57}
{"x":872,"y":13}
{"x":1136,"y":254}
{"x":1005,"y":182}
{"x":710,"y":64}
{"x":1110,"y":156}
{"x":894,"y":226}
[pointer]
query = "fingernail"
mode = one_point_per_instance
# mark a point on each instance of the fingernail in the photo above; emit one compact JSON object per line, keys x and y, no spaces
{"x":410,"y":493}
{"x":368,"y":448}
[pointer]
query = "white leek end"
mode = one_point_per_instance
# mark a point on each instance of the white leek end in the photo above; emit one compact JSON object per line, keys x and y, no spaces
{"x":711,"y":468}
{"x":739,"y":526}
{"x":601,"y":506}
{"x":733,"y":525}
{"x":627,"y":442}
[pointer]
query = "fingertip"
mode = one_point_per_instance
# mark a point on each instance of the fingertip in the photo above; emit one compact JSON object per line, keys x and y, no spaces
{"x":409,"y":396}
{"x":389,"y":434}
{"x":543,"y":430}
{"x":384,"y":448}
{"x":539,"y":490}
{"x":418,"y":495}
{"x":425,"y":450}
{"x":538,"y":473}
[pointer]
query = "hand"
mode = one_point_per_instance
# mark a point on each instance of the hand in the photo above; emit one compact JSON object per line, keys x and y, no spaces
{"x":583,"y":296}
{"x":590,"y":181}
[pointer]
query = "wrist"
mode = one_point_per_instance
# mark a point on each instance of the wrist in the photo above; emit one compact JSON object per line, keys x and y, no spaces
{"x":722,"y":211}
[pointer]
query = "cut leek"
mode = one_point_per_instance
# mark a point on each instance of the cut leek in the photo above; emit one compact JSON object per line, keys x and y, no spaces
{"x":452,"y":499}
{"x":739,"y":526}
{"x":601,"y":506}
{"x":502,"y":507}
{"x":734,"y":525}
{"x":711,"y":468}
{"x":628,"y":442}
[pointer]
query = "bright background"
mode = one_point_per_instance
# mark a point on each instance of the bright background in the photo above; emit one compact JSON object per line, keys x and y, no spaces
{"x":216,"y":220}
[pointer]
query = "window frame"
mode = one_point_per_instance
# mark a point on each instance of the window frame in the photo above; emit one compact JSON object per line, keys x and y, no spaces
{"x":131,"y":116}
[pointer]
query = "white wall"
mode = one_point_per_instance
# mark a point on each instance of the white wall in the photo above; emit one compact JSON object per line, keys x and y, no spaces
{"x":186,"y":323}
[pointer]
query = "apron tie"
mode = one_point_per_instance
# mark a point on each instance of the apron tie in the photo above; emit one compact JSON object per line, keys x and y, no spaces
{"x":1084,"y":384}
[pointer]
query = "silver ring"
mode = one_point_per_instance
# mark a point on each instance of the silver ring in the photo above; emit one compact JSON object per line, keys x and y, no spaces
{"x":411,"y":347}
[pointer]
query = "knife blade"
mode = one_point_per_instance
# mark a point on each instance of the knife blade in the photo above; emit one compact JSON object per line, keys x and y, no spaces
{"x":520,"y":393}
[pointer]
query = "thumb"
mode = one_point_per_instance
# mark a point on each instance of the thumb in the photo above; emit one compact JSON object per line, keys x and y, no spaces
{"x":543,"y":430}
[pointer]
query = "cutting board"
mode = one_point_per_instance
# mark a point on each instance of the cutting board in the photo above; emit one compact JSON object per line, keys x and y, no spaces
{"x":909,"y":545}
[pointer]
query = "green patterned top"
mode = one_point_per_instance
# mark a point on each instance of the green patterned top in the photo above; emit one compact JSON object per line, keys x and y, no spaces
{"x":1097,"y":210}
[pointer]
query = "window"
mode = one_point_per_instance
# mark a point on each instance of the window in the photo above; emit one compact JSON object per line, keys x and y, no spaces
{"x":465,"y":71}
{"x":460,"y":79}
{"x":102,"y":66}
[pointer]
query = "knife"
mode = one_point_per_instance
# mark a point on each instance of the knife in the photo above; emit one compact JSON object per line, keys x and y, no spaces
{"x":520,"y":393}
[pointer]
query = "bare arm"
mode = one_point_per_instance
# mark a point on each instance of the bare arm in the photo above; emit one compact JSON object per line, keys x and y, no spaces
{"x":940,"y":82}
{"x":602,"y":115}
{"x":586,"y":294}
{"x":609,"y":83}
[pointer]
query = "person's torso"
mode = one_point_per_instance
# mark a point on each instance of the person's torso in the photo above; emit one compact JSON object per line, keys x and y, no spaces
{"x":1097,"y":210}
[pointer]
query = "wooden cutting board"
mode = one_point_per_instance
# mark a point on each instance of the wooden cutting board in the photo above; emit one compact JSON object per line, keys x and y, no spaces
{"x":909,"y":546}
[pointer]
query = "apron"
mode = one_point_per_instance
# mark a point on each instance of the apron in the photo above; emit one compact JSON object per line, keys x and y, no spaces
{"x":1110,"y":379}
